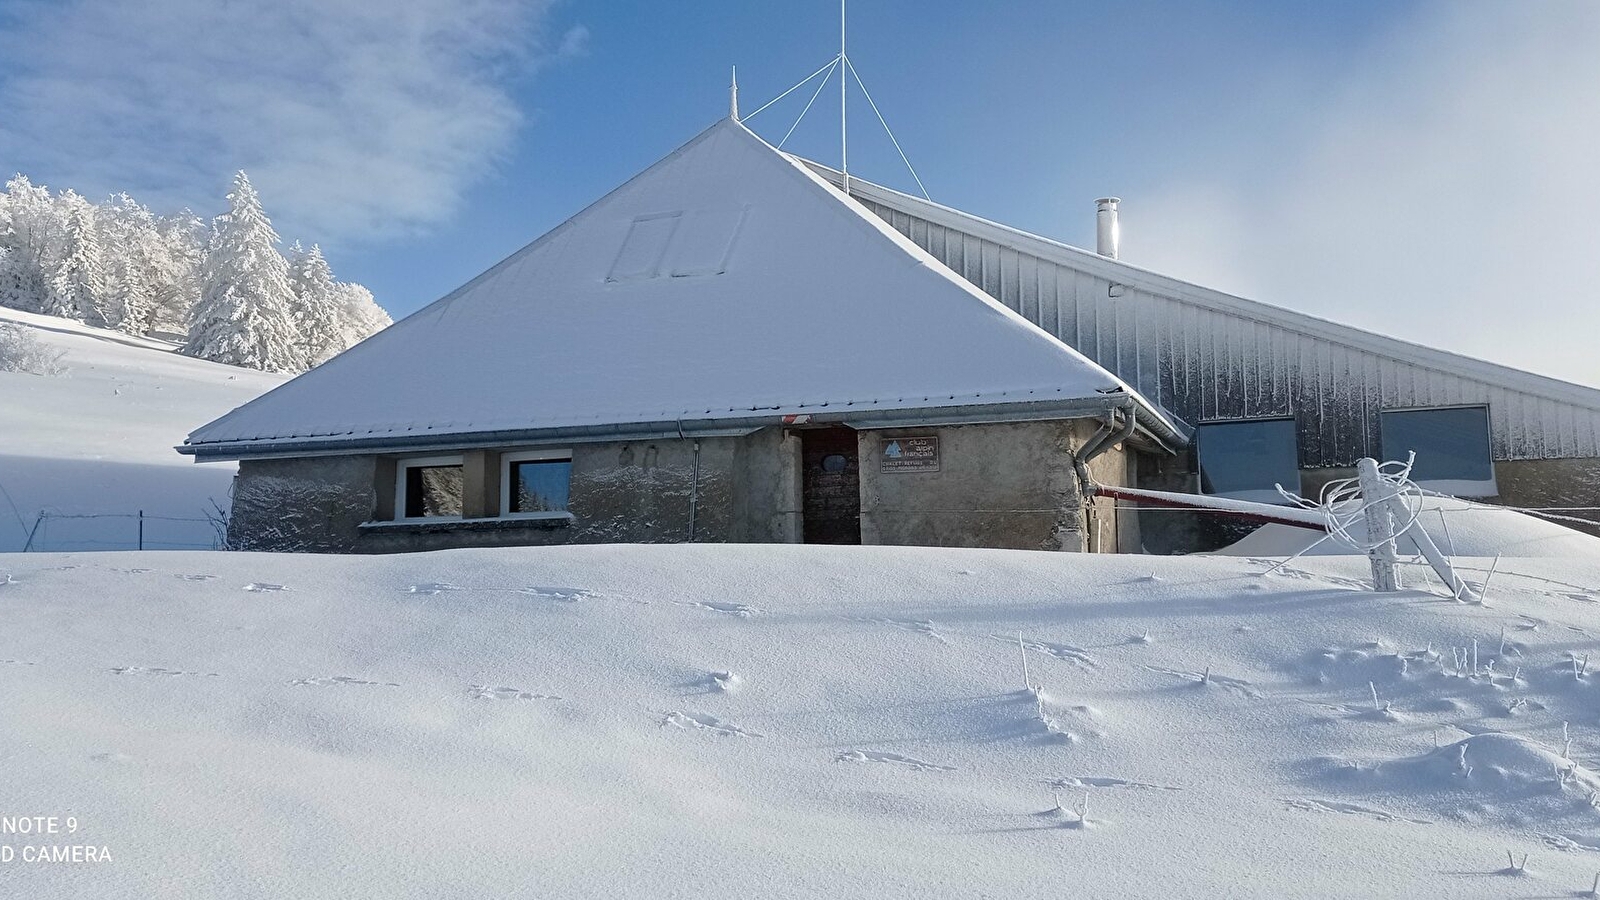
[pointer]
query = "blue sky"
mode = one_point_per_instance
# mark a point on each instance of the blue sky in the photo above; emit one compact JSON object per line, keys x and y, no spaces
{"x":1413,"y":167}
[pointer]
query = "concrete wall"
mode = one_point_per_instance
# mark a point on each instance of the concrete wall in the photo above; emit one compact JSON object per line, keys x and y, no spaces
{"x":1009,"y":486}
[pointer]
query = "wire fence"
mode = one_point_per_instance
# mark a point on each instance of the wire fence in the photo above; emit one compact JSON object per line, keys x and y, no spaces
{"x":58,"y":532}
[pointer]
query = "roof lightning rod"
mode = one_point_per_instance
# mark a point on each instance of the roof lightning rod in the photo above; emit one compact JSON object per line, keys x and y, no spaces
{"x":844,"y":143}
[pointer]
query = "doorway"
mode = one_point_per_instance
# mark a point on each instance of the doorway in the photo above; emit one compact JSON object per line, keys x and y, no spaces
{"x":830,"y":461}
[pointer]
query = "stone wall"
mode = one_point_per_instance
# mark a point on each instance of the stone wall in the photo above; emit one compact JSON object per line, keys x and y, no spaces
{"x":1010,"y":486}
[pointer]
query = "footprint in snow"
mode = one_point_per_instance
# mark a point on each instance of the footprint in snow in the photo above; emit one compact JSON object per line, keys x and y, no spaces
{"x":892,"y":759}
{"x":5,"y":579}
{"x":156,"y":670}
{"x":1308,"y":804}
{"x":1065,"y":652}
{"x":734,"y":609}
{"x":703,"y":722}
{"x":262,"y":587}
{"x":1090,"y":781}
{"x":324,"y":680}
{"x":198,"y":578}
{"x":1569,"y":843}
{"x":14,"y":662}
{"x":1236,"y":685}
{"x":920,"y":626}
{"x":558,"y":594}
{"x":433,"y":587}
{"x":484,"y":692}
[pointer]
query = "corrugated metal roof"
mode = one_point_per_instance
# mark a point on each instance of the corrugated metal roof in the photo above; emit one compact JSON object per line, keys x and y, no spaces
{"x":1208,"y":355}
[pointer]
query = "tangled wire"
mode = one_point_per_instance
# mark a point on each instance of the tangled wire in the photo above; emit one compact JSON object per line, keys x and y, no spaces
{"x":1344,"y":509}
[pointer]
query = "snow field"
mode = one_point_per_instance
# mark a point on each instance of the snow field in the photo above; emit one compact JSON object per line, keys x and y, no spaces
{"x":715,"y":721}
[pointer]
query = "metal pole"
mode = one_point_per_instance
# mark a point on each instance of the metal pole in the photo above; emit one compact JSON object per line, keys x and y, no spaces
{"x":844,"y":144}
{"x":141,"y":529}
{"x":29,"y":545}
{"x":1375,"y":494}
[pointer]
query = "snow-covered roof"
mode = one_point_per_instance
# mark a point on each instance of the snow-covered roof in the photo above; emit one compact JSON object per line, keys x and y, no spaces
{"x":727,"y":281}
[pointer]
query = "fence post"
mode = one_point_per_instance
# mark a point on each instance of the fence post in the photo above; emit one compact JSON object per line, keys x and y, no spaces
{"x":141,"y":529}
{"x":1375,"y":494}
{"x":35,"y":530}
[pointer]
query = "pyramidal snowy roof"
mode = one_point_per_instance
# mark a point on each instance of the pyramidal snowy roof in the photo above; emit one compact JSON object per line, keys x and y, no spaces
{"x":726,"y":281}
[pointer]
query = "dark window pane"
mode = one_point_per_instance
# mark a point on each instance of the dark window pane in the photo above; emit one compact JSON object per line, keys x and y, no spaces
{"x":834,"y":462}
{"x":540,"y":485}
{"x":1451,"y":444}
{"x":433,"y":491}
{"x":1245,"y":460}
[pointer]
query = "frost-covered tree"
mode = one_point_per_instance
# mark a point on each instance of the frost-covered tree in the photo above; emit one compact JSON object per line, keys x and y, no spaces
{"x":128,"y":241}
{"x":360,"y":316}
{"x":30,"y":237}
{"x":315,"y":311}
{"x":179,"y":248}
{"x":79,"y":288}
{"x":243,"y":314}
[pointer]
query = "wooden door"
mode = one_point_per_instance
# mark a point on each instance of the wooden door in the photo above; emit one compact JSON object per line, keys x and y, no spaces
{"x":831,"y":485}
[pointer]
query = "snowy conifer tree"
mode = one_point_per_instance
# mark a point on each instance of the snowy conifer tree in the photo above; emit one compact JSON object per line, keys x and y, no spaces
{"x":315,"y":312}
{"x":243,"y":315}
{"x":360,"y":317}
{"x":79,"y":289}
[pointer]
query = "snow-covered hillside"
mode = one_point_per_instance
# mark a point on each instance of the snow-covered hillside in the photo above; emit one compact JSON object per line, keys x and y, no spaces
{"x":98,"y":439}
{"x":699,"y":721}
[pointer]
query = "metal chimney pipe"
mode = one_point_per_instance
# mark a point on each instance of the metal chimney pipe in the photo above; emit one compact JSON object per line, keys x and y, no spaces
{"x":1107,"y":232}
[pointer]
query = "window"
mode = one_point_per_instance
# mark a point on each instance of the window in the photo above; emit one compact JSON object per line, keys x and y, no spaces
{"x":535,"y":483}
{"x":1246,"y":459}
{"x":1452,"y":447}
{"x":677,"y":244}
{"x":429,"y":488}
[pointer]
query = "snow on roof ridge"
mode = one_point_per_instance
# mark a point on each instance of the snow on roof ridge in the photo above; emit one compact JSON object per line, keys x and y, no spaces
{"x":762,"y":325}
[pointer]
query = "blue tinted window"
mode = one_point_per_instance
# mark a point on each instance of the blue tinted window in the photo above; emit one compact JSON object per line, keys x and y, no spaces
{"x":1245,"y":460}
{"x":1452,"y":445}
{"x":540,"y":485}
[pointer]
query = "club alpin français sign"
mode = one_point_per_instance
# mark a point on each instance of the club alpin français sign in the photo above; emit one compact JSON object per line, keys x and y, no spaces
{"x":911,"y":454}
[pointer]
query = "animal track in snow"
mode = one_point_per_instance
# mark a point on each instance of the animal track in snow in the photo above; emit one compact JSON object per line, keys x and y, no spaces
{"x":920,"y":626}
{"x":433,"y":587}
{"x":1088,"y":781}
{"x":1065,"y":652}
{"x":704,"y":722}
{"x":262,"y":587}
{"x":156,"y":670}
{"x":198,"y":578}
{"x":14,"y":662}
{"x":735,"y":609}
{"x":1308,"y":804}
{"x":485,"y":692}
{"x":1236,"y":685}
{"x":323,"y":680}
{"x":558,"y":594}
{"x":1571,"y":842}
{"x":892,"y":759}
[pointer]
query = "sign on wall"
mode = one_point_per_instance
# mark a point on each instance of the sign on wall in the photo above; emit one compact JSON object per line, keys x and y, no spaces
{"x":911,"y":454}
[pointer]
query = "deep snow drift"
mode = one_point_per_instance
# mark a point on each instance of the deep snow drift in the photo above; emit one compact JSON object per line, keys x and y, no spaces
{"x":98,"y":439}
{"x":1457,"y":527}
{"x":732,"y":721}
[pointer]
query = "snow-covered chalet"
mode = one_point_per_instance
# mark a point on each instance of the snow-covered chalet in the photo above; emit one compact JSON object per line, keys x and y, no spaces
{"x":725,"y":348}
{"x":742,"y":345}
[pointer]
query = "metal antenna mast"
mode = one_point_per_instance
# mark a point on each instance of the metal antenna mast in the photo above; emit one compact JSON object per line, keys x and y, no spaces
{"x":844,"y":143}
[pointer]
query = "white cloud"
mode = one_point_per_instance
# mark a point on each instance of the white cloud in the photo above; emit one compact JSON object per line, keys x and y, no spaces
{"x":1445,"y":192}
{"x":356,"y":119}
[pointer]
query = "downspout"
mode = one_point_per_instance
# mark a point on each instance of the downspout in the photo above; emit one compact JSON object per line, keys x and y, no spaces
{"x":694,"y":482}
{"x":1109,"y":435}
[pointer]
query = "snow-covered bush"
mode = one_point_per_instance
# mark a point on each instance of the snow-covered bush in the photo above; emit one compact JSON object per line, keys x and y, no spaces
{"x":21,"y":351}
